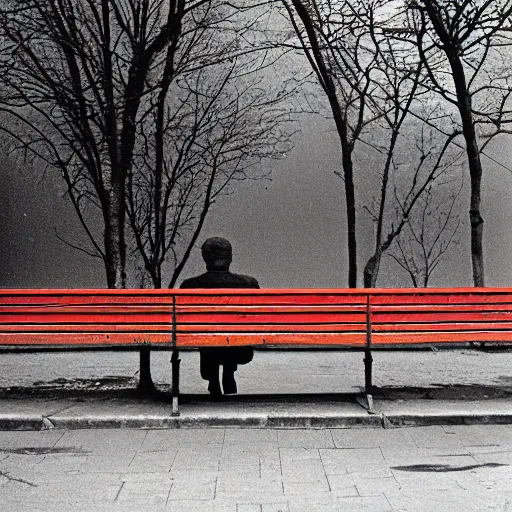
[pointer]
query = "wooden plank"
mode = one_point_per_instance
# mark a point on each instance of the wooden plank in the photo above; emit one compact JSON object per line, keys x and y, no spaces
{"x":83,"y":318}
{"x":268,"y":318}
{"x":440,"y":308}
{"x":438,"y":318}
{"x":76,"y":292}
{"x":250,"y":328}
{"x":436,"y":291}
{"x":100,"y":310}
{"x":235,"y":340}
{"x":435,"y":299}
{"x":128,"y":339}
{"x":254,"y":328}
{"x":183,"y":292}
{"x":159,"y":309}
{"x":9,"y":328}
{"x":437,"y":327}
{"x":86,"y":301}
{"x":263,"y":299}
{"x":292,"y":308}
{"x":438,"y":337}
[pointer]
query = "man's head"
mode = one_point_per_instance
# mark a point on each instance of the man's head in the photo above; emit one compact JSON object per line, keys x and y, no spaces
{"x":217,"y":253}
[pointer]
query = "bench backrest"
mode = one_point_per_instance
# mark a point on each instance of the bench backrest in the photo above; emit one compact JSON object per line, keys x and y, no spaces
{"x":271,"y":317}
{"x":407,"y":316}
{"x":202,"y":317}
{"x":85,"y":317}
{"x":266,"y":317}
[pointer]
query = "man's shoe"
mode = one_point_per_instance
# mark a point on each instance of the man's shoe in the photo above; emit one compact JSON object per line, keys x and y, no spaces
{"x":214,"y":389}
{"x":229,"y":385}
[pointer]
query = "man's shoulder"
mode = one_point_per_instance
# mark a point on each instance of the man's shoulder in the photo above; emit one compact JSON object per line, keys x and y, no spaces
{"x":194,"y":282}
{"x":220,"y":280}
{"x":248,"y":281}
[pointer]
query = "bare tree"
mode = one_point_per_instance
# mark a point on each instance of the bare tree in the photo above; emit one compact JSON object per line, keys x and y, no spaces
{"x":456,"y":42}
{"x":430,"y":231}
{"x":332,"y":39}
{"x":419,"y":162}
{"x":77,"y":77}
{"x":397,"y":81}
{"x":74,"y":76}
{"x":215,"y":131}
{"x":99,"y":90}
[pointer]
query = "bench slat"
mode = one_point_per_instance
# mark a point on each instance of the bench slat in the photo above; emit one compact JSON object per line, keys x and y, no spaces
{"x":449,"y":326}
{"x":46,"y":339}
{"x":270,"y":318}
{"x":437,"y":318}
{"x":440,"y":308}
{"x":195,"y":328}
{"x":167,"y":309}
{"x":129,"y":328}
{"x":277,"y":300}
{"x":438,"y":299}
{"x":87,"y":301}
{"x":226,"y":340}
{"x":403,"y":338}
{"x":85,"y":318}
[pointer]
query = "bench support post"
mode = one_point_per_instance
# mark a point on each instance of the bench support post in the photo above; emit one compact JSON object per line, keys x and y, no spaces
{"x":368,"y":361}
{"x":175,"y":361}
{"x":368,"y":368}
{"x":367,"y":400}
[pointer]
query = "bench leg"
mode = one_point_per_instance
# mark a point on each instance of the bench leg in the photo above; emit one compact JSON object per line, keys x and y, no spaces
{"x":368,"y":367}
{"x":367,"y":400}
{"x":175,"y":361}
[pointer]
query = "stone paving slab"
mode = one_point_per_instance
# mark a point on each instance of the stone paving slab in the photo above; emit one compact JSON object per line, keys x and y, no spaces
{"x":411,"y":469}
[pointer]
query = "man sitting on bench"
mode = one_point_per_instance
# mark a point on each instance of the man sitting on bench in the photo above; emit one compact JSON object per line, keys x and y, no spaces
{"x":217,"y":254}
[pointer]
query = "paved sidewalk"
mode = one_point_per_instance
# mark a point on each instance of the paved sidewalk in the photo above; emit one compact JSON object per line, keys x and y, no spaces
{"x":422,"y":469}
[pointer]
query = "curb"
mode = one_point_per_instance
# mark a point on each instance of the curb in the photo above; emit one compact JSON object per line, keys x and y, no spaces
{"x":363,"y":420}
{"x":427,"y":419}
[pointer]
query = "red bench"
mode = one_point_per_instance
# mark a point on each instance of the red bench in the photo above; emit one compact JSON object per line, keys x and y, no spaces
{"x":265,"y":318}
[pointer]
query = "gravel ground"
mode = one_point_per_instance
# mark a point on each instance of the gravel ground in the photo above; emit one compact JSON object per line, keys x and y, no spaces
{"x":271,"y":372}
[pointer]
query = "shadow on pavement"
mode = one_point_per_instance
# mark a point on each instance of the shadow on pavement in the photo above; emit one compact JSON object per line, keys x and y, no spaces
{"x":110,"y":387}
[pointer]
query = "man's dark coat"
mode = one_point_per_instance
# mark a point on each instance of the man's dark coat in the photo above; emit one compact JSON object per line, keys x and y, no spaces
{"x":211,"y":357}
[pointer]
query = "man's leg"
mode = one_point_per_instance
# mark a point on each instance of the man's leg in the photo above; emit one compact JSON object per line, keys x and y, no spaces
{"x":209,"y":366}
{"x":228,"y":378}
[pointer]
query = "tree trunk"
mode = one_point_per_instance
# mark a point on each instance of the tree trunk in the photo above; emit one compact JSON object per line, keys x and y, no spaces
{"x":329,"y":87}
{"x":146,"y":386}
{"x":350,"y":199}
{"x":115,"y":261}
{"x":371,"y":271}
{"x":475,"y":167}
{"x":115,"y":249}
